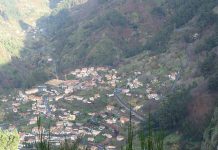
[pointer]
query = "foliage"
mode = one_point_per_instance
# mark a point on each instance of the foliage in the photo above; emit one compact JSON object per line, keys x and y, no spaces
{"x":11,"y":45}
{"x":53,"y":3}
{"x":110,"y":18}
{"x":208,"y":66}
{"x":170,"y":115}
{"x":115,"y":18}
{"x":152,"y":140}
{"x":213,"y":83}
{"x":190,"y":131}
{"x":172,"y":141}
{"x":206,"y":14}
{"x":37,"y":76}
{"x":103,"y":53}
{"x":24,"y":107}
{"x":2,"y":114}
{"x":182,"y":11}
{"x":64,"y":4}
{"x":129,"y":144}
{"x":103,"y":1}
{"x":9,"y":140}
{"x":158,"y":11}
{"x":11,"y":10}
{"x":44,"y":144}
{"x":209,"y":43}
{"x":159,"y":42}
{"x":99,"y":138}
{"x":210,"y":141}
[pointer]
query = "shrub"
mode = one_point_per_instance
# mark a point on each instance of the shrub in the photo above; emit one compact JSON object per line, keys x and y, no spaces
{"x":158,"y":11}
{"x":37,"y":76}
{"x":207,"y":68}
{"x":113,"y":18}
{"x":213,"y":83}
{"x":174,"y":109}
{"x":9,"y":140}
{"x":159,"y":42}
{"x":208,"y":44}
{"x":181,"y":11}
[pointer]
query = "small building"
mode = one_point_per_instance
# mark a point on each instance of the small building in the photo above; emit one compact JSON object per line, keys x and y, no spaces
{"x":110,"y":107}
{"x":123,"y":120}
{"x":32,"y":91}
{"x":120,"y":138}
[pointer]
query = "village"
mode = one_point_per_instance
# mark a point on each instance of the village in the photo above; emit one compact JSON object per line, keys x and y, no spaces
{"x":81,"y":105}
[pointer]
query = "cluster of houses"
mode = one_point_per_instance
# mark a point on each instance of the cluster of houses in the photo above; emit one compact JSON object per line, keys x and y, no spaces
{"x":42,"y":101}
{"x":105,"y":123}
{"x":151,"y":94}
{"x":135,"y":83}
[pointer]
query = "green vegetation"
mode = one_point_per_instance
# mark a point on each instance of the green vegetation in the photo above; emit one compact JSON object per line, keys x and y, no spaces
{"x":44,"y":144}
{"x":24,"y":107}
{"x":209,"y":43}
{"x":110,"y":34}
{"x":213,"y":83}
{"x":210,"y":141}
{"x":111,"y":18}
{"x":104,"y":54}
{"x":181,"y":12}
{"x":174,"y":117}
{"x":99,"y":138}
{"x":65,"y":4}
{"x":158,"y":11}
{"x":153,"y":140}
{"x":11,"y":10}
{"x":209,"y":70}
{"x":172,"y":141}
{"x":159,"y":42}
{"x":208,"y":67}
{"x":9,"y":140}
{"x":37,"y":76}
{"x":170,"y":115}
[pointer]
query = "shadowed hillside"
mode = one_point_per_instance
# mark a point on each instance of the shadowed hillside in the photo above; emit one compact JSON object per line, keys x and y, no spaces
{"x":172,"y":43}
{"x":108,"y":31}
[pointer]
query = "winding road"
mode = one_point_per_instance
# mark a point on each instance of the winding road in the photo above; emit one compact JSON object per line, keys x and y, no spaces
{"x":127,"y":106}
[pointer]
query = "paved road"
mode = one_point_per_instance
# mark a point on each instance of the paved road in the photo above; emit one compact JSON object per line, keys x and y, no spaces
{"x":127,"y":107}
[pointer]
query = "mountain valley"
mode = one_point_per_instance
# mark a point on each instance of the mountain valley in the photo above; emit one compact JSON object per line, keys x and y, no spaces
{"x":83,"y":64}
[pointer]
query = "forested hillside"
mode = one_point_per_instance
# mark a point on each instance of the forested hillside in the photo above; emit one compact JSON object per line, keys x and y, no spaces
{"x":15,"y":18}
{"x":155,"y":37}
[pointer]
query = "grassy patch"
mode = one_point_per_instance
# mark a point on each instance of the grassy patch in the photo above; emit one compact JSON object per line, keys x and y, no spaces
{"x":99,"y":138}
{"x":171,"y":142}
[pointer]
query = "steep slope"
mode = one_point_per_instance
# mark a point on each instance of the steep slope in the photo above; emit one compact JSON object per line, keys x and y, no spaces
{"x":161,"y":39}
{"x":79,"y":33}
{"x":19,"y":40}
{"x":15,"y":17}
{"x":96,"y":29}
{"x":186,"y":44}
